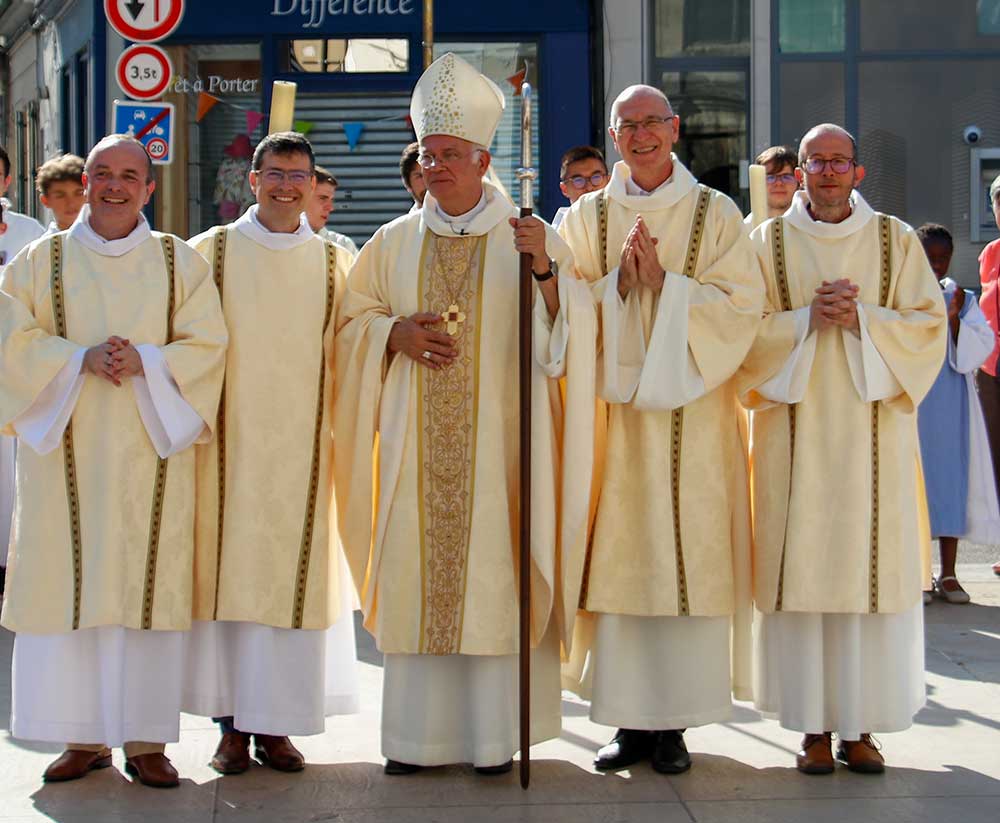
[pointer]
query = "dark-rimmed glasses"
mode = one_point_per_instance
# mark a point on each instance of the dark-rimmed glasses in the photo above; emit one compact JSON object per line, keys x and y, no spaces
{"x":579,"y":181}
{"x":817,"y":165}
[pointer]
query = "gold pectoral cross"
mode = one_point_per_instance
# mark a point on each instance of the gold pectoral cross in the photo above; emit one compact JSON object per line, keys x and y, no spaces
{"x":454,"y":319}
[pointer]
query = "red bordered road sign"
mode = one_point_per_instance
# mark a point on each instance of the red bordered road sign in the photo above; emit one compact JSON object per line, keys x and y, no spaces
{"x":144,"y":21}
{"x":144,"y":72}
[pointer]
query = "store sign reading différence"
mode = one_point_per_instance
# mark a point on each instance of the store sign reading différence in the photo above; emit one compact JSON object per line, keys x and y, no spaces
{"x":315,"y":12}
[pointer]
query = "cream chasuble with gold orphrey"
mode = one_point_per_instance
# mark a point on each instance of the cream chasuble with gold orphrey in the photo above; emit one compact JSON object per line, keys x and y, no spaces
{"x":266,"y":546}
{"x":434,"y":555}
{"x":836,"y":486}
{"x":104,"y":525}
{"x":672,"y":532}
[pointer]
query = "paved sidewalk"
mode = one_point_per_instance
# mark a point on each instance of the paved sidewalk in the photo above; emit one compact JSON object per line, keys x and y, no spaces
{"x":946,"y":768}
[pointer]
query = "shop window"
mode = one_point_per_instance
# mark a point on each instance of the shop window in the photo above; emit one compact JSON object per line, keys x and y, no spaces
{"x":502,"y":62}
{"x":354,"y":56}
{"x":918,"y":24}
{"x":810,"y":93}
{"x":811,"y":26}
{"x":712,"y":106}
{"x":690,"y":28}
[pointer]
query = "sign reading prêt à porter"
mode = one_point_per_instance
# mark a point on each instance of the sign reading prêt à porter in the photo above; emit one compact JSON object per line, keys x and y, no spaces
{"x":313,"y":13}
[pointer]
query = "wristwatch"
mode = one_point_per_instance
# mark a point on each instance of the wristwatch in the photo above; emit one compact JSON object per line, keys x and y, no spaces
{"x":541,"y":278}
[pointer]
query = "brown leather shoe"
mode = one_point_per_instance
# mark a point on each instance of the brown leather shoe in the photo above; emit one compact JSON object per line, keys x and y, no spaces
{"x":153,"y":770}
{"x":278,"y":753}
{"x":815,"y":756}
{"x":73,"y":764}
{"x":233,"y":754}
{"x":861,"y":756}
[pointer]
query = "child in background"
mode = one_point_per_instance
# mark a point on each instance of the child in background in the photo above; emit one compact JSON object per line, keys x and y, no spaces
{"x":60,"y":183}
{"x":958,"y":471}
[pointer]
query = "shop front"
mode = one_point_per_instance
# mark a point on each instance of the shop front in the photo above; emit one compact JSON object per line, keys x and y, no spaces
{"x":355,"y":63}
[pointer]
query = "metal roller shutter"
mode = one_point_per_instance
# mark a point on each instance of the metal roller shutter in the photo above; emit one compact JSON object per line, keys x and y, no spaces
{"x":370,"y":191}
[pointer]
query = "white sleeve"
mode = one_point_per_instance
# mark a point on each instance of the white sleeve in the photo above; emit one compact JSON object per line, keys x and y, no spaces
{"x":789,"y":385}
{"x":670,"y":377}
{"x":43,"y":424}
{"x":873,"y":380}
{"x":620,"y":366}
{"x":170,"y":421}
{"x":551,"y":335}
{"x":976,"y":340}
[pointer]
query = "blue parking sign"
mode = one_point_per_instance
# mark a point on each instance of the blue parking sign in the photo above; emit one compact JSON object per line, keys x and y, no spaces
{"x":152,"y":124}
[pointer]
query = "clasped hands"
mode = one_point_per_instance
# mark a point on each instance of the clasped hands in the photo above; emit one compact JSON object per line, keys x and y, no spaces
{"x":639,"y":264}
{"x":113,"y":360}
{"x":835,"y":305}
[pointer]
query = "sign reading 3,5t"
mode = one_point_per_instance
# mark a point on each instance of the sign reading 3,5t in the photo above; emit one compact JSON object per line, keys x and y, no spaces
{"x":144,"y":21}
{"x":144,"y":72}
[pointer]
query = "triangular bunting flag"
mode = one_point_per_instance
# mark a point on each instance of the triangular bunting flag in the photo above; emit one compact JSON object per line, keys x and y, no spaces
{"x":517,"y":80}
{"x":303,"y":127}
{"x":353,"y":133}
{"x":205,"y":104}
{"x":254,"y":119}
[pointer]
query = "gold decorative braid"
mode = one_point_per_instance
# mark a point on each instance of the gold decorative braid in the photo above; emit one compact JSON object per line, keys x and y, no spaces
{"x":69,"y":457}
{"x":885,"y":278}
{"x":602,"y":228}
{"x":781,"y":275}
{"x":218,"y":272}
{"x":160,"y":483}
{"x":677,"y":416}
{"x":448,"y":410}
{"x":309,"y":521}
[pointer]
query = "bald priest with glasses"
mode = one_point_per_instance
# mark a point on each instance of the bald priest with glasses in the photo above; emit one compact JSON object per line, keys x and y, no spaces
{"x":853,"y":337}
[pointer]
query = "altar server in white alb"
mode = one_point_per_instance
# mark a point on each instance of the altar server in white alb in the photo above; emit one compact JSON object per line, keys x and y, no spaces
{"x":272,"y":649}
{"x":111,"y":361}
{"x":680,"y":298}
{"x":854,"y":336}
{"x":427,"y":360}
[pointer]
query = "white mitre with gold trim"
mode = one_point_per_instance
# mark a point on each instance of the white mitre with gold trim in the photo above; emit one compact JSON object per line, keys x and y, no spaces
{"x":452,"y":98}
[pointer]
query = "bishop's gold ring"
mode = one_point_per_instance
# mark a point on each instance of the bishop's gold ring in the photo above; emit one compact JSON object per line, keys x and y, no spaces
{"x":426,"y":355}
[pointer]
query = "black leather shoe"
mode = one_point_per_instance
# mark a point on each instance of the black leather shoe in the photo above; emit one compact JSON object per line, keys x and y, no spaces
{"x":503,"y":768}
{"x":628,"y":746}
{"x":396,"y":767}
{"x":670,"y":755}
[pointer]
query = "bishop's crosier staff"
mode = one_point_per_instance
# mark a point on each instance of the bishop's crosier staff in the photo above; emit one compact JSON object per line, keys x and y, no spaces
{"x":526,"y":174}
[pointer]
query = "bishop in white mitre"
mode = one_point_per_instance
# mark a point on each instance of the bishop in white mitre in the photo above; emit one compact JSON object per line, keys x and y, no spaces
{"x":272,"y":649}
{"x":854,"y":336}
{"x":427,"y":421}
{"x":111,"y":361}
{"x":667,"y":587}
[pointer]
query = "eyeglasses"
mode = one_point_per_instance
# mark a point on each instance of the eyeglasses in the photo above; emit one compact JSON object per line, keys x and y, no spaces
{"x":817,"y":165}
{"x":630,"y":127}
{"x":579,"y":181}
{"x":276,"y":177}
{"x":780,"y":178}
{"x":447,"y":158}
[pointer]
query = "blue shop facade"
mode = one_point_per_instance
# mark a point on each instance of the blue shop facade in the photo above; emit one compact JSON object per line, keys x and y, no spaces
{"x":355,"y":63}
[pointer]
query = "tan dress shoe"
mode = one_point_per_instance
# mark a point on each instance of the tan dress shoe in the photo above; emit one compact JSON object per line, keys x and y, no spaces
{"x":233,"y":754}
{"x":861,"y":755}
{"x":278,"y":753}
{"x":73,"y":764}
{"x":153,"y":770}
{"x":816,"y":756}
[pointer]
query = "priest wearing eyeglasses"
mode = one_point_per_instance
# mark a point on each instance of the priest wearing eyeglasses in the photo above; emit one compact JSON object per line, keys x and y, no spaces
{"x":272,"y":649}
{"x":680,"y":298}
{"x":426,"y":423}
{"x":853,"y":337}
{"x":583,"y":170}
{"x":780,"y":163}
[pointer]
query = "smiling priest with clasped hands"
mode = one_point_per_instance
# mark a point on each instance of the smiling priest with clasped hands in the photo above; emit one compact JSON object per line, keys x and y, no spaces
{"x":111,"y":361}
{"x":853,"y":338}
{"x":427,"y":417}
{"x":680,"y":297}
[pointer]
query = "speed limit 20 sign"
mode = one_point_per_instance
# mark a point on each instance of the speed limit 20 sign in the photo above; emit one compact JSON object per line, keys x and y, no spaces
{"x":143,"y":72}
{"x":144,"y":21}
